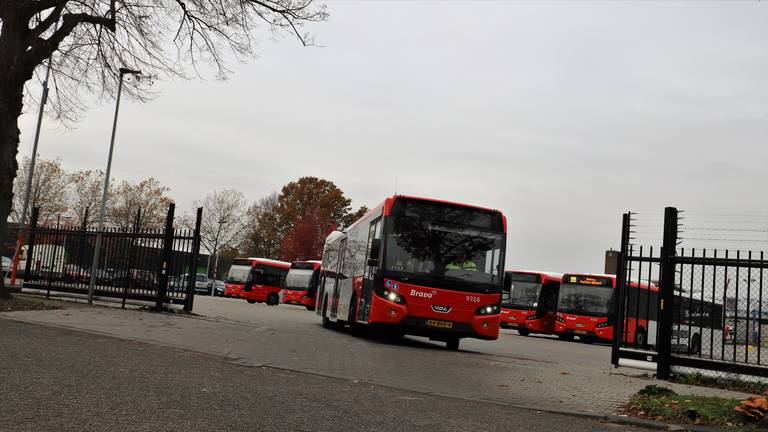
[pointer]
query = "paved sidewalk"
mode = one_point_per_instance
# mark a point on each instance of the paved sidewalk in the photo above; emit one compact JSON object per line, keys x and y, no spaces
{"x":64,"y":380}
{"x":408,"y":364}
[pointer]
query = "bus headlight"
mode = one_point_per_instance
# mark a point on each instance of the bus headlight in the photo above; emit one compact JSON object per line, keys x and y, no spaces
{"x":488,"y":310}
{"x":604,"y":324}
{"x":391,"y":296}
{"x":560,"y":319}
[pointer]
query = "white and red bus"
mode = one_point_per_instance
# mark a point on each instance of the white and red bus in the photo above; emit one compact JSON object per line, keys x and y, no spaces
{"x":256,"y":279}
{"x":585,"y":309}
{"x":301,"y":284}
{"x":529,"y":301}
{"x":417,"y":266}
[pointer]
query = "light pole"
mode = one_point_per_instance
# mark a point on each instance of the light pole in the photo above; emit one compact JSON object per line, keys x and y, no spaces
{"x":31,"y":173}
{"x":102,"y":209}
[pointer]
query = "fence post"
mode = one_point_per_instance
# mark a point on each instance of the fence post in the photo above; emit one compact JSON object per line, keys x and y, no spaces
{"x":666,"y":294}
{"x":165,"y":258}
{"x":136,"y":225}
{"x":190,"y":297}
{"x":31,"y":244}
{"x":618,"y":298}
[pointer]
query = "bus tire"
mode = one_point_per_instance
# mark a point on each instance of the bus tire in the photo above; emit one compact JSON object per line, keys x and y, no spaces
{"x":565,"y":337}
{"x":452,"y":344}
{"x":250,"y":301}
{"x":354,"y":328}
{"x":587,"y":340}
{"x":523,"y":332}
{"x":640,"y":338}
{"x":273,"y":299}
{"x":326,"y":322}
{"x":311,"y":308}
{"x":695,"y":345}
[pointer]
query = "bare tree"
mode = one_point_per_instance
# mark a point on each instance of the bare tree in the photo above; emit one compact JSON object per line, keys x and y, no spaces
{"x":87,"y":41}
{"x":49,"y":190}
{"x":85,"y":196}
{"x":147,"y":195}
{"x":223,"y":222}
{"x":262,"y":236}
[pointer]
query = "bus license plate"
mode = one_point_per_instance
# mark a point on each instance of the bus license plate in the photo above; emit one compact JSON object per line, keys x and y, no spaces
{"x":580,"y":332}
{"x":439,"y":324}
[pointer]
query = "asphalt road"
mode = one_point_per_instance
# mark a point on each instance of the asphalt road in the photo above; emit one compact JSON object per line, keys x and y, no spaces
{"x":63,"y":380}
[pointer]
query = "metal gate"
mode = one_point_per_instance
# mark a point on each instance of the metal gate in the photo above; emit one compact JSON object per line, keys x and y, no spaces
{"x":142,"y":264}
{"x":682,"y":309}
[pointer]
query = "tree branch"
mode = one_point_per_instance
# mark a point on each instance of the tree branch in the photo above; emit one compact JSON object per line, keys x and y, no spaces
{"x":48,"y":21}
{"x":41,"y":49}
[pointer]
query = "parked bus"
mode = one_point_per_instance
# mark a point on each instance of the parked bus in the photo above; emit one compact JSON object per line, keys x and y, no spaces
{"x":240,"y":271}
{"x":585,"y":309}
{"x":529,"y":301}
{"x":417,"y":266}
{"x":301,"y":284}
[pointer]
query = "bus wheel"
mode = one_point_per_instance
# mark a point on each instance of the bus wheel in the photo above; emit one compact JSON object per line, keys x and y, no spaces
{"x":523,"y":332}
{"x":311,"y":308}
{"x":250,"y":301}
{"x":586,"y":339}
{"x":565,"y":337}
{"x":452,"y":344}
{"x":695,"y":347}
{"x":640,"y":338}
{"x":326,"y":322}
{"x":354,"y":328}
{"x":273,"y":299}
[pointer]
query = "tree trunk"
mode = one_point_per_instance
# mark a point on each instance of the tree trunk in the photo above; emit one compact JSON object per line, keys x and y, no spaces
{"x":11,"y":102}
{"x":14,"y":72}
{"x":11,"y":99}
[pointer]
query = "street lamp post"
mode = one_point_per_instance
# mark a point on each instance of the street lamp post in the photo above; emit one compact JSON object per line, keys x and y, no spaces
{"x":102,"y":209}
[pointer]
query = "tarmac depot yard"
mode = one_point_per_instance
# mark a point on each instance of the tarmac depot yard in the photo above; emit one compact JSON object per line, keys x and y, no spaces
{"x":237,"y":366}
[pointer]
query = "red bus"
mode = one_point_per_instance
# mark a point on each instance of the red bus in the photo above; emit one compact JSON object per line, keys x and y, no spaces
{"x":263,"y":277}
{"x":301,"y":284}
{"x":585,"y":308}
{"x":417,"y":266}
{"x":529,"y":301}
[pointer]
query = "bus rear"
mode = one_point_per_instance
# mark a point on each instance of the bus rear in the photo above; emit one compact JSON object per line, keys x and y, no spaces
{"x":419,"y":266}
{"x":265,"y":281}
{"x":529,"y":301}
{"x":236,"y":277}
{"x":301,"y":284}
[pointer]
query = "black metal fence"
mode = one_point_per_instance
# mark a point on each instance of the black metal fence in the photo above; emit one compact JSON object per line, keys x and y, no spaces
{"x":701,"y":310}
{"x":134,"y":264}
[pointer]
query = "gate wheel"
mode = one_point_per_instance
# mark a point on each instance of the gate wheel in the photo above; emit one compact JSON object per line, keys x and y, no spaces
{"x":640,"y":339}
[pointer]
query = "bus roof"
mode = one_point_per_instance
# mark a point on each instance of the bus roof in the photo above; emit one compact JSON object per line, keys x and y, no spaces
{"x":265,"y":261}
{"x":391,"y":200}
{"x":550,"y":275}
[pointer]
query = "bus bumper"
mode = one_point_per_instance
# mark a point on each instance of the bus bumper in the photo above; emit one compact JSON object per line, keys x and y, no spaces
{"x":390,"y":313}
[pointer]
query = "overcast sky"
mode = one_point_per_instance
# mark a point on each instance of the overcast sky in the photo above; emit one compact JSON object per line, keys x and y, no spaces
{"x":562,"y":115}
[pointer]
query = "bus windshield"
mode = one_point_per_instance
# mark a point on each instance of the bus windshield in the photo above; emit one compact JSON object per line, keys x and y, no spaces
{"x":446,"y":242}
{"x":585,"y":299}
{"x":299,"y":279}
{"x":523,"y":295}
{"x":238,"y":274}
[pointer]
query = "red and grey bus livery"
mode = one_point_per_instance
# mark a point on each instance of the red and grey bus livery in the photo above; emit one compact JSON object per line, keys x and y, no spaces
{"x":529,"y":301}
{"x":417,"y":266}
{"x":301,"y":284}
{"x":256,"y":279}
{"x":585,"y":308}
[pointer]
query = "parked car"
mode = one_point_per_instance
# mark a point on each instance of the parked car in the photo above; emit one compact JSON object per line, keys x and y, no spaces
{"x":218,"y":288}
{"x":201,"y":283}
{"x":75,"y":274}
{"x":134,"y":278}
{"x":104,"y":276}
